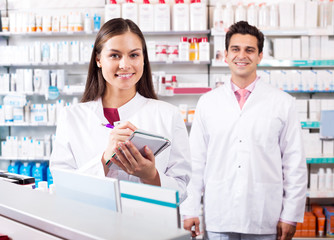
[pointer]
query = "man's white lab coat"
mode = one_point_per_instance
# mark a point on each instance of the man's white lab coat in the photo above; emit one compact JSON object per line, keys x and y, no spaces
{"x":81,"y":139}
{"x":249,"y":162}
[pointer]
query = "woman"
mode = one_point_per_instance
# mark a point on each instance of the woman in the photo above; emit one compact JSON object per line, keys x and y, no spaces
{"x":119,"y":89}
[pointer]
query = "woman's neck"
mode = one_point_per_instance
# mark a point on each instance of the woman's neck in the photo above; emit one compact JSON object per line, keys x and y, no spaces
{"x":116,"y":99}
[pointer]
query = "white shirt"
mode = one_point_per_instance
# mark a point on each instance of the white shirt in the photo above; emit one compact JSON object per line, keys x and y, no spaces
{"x":81,"y":139}
{"x":248,"y":162}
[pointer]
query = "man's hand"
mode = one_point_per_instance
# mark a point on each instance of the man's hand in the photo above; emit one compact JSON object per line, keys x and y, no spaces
{"x":285,"y":231}
{"x":188,"y":223}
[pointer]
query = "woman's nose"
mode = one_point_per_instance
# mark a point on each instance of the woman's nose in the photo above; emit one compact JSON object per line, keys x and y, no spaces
{"x":124,"y":63}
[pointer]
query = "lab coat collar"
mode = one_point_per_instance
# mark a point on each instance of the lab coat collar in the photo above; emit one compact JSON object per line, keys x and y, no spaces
{"x":125,"y":111}
{"x":231,"y":91}
{"x":231,"y":94}
{"x":131,"y":107}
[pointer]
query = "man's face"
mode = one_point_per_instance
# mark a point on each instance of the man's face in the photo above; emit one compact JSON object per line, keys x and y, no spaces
{"x":243,"y":56}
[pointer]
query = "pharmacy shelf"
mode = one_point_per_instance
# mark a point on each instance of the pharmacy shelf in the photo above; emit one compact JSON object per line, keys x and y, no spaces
{"x":285,"y":63}
{"x":310,"y":124}
{"x":67,"y":93}
{"x":296,"y":63}
{"x":313,"y":91}
{"x":319,"y":194}
{"x":24,"y":158}
{"x":286,"y":32}
{"x":320,"y":160}
{"x":46,"y":34}
{"x":83,"y":33}
{"x":27,"y":125}
{"x":180,"y":62}
{"x":311,"y":238}
{"x":30,"y":65}
{"x":176,"y":33}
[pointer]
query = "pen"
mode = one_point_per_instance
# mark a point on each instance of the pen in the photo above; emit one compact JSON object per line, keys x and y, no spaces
{"x":108,"y":125}
{"x":109,"y":162}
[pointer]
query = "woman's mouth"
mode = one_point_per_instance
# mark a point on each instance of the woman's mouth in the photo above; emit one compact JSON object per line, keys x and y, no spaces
{"x":124,"y":75}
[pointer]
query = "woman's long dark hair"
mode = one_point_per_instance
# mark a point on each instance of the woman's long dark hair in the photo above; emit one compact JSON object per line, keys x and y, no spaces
{"x":96,"y":84}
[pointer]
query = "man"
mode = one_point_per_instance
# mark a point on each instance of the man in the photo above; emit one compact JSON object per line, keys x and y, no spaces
{"x":247,"y":155}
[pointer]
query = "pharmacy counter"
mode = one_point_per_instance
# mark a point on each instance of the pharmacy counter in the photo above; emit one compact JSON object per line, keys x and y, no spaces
{"x":31,"y":214}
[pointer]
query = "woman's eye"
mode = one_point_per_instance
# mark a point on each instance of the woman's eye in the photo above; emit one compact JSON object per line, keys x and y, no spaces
{"x":114,"y":56}
{"x":133,"y":55}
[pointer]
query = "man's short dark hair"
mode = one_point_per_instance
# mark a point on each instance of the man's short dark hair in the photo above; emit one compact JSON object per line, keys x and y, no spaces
{"x":243,"y":27}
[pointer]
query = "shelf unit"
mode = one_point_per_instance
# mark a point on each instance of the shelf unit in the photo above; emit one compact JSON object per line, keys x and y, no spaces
{"x":60,"y":36}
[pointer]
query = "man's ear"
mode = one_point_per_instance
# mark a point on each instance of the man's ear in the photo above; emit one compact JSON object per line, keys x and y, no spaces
{"x":225,"y":56}
{"x":260,"y":57}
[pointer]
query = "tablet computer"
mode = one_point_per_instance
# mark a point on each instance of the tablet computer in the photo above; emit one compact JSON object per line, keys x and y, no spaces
{"x":156,"y":143}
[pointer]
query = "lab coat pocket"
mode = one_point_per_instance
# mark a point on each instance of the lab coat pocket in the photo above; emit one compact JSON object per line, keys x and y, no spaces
{"x":216,"y":201}
{"x":267,"y":205}
{"x":266,"y":131}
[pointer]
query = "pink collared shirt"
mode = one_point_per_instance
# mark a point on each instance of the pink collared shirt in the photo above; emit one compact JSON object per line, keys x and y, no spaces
{"x":250,"y":88}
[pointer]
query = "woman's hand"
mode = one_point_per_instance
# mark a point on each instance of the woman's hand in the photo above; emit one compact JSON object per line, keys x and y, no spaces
{"x":117,"y":135}
{"x":132,"y":162}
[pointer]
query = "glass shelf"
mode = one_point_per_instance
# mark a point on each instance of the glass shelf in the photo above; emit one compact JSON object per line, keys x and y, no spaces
{"x":45,"y":34}
{"x":67,"y":93}
{"x":13,"y":158}
{"x":27,"y":125}
{"x":320,"y":160}
{"x":29,"y":65}
{"x":286,"y":32}
{"x":83,"y":33}
{"x":285,"y":63}
{"x":310,"y":124}
{"x":319,"y":194}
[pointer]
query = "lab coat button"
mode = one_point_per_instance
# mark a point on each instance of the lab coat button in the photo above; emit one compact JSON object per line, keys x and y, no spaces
{"x":240,"y":140}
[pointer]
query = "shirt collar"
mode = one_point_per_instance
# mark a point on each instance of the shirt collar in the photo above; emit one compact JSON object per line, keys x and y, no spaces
{"x":250,"y":87}
{"x":125,"y":111}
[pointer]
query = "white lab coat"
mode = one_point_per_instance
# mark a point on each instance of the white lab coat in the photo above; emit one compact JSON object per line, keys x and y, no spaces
{"x":249,"y":162}
{"x":81,"y":139}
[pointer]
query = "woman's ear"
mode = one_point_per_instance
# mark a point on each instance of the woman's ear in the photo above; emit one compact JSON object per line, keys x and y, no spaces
{"x":98,"y":63}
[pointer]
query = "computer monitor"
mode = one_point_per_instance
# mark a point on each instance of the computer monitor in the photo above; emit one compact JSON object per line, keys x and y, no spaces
{"x":98,"y":191}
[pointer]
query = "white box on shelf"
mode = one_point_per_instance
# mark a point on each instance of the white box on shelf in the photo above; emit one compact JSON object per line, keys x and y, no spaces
{"x":301,"y":105}
{"x":282,"y":48}
{"x":219,"y":47}
{"x":315,"y":47}
{"x":312,"y":14}
{"x":300,"y":11}
{"x":265,"y":75}
{"x":286,"y":13}
{"x":328,"y":148}
{"x":313,"y":181}
{"x":314,"y":107}
{"x":305,"y":47}
{"x":327,"y":104}
{"x":312,"y":143}
{"x":296,"y":48}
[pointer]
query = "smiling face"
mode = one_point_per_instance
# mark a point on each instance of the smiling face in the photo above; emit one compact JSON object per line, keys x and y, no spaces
{"x":242,"y":57}
{"x":122,"y":63}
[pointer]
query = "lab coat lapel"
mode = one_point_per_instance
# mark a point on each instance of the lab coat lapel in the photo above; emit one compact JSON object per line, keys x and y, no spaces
{"x":231,"y":96}
{"x":130,"y":108}
{"x":99,"y":110}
